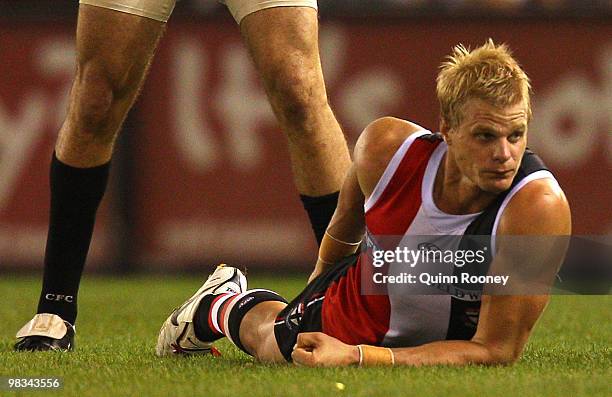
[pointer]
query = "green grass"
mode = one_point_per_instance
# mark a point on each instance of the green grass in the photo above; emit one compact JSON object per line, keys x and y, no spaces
{"x":569,"y":353}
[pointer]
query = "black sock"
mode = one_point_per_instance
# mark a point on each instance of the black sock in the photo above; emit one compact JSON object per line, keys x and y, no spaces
{"x":200,"y":321}
{"x":320,"y":211}
{"x":75,"y":196}
{"x":231,"y":309}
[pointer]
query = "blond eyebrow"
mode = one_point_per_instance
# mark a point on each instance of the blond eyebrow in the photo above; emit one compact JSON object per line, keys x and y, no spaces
{"x":482,"y":128}
{"x":519,"y":127}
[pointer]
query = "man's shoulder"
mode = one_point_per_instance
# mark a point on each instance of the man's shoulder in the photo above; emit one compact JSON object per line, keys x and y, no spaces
{"x":382,"y":138}
{"x":377,"y":144}
{"x":388,"y":132}
{"x":538,"y":208}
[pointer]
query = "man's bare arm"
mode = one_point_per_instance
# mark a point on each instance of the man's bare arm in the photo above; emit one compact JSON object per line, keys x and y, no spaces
{"x":373,"y":151}
{"x":346,"y":228}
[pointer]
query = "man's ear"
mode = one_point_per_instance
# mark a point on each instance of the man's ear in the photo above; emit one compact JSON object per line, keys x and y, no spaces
{"x":445,"y":131}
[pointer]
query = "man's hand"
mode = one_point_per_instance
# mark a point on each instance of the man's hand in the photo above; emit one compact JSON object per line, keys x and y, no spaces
{"x":316,"y":349}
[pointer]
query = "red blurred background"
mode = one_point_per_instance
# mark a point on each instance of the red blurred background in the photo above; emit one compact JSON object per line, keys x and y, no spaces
{"x":203,"y":171}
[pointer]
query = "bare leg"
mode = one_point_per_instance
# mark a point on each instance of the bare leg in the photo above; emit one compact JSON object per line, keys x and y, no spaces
{"x":283,"y":43}
{"x":114,"y":52}
{"x":257,"y":332}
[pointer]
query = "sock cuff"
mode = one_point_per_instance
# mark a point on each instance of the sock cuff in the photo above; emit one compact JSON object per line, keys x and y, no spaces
{"x":80,"y":182}
{"x":237,"y":307}
{"x":309,"y":201}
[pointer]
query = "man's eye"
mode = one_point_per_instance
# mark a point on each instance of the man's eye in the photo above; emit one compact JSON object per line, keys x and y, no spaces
{"x":515,"y":137}
{"x":485,"y":136}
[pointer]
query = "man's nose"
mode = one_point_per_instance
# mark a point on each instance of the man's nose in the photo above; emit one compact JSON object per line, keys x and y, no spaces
{"x":502,"y":151}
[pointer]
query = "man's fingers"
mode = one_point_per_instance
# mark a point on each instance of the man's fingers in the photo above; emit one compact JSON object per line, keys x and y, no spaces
{"x":308,"y":339}
{"x":301,"y":356}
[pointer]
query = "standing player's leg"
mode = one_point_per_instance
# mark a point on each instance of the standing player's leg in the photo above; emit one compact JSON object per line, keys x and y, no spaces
{"x":283,"y":42}
{"x":114,"y":50}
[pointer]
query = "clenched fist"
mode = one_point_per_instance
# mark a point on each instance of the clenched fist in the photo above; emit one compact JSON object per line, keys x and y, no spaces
{"x":316,"y":349}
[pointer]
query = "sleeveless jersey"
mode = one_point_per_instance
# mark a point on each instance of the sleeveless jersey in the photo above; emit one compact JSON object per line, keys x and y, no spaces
{"x":402,"y":205}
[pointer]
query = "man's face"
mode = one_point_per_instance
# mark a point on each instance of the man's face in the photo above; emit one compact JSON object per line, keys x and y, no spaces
{"x":489,"y":143}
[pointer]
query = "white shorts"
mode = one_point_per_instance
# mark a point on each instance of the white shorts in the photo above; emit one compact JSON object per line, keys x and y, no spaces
{"x":160,"y":10}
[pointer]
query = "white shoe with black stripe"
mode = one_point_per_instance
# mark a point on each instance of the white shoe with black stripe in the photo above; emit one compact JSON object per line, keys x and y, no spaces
{"x":177,"y":334}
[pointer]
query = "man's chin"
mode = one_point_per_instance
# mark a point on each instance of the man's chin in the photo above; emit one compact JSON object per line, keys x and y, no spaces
{"x":497,"y":186}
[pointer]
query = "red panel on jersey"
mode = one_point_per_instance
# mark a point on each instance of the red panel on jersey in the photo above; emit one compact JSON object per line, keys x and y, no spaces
{"x":401,"y":199}
{"x":351,"y":317}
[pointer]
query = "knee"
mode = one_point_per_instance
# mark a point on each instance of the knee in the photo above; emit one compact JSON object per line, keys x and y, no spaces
{"x":97,"y":90}
{"x":296,"y":90}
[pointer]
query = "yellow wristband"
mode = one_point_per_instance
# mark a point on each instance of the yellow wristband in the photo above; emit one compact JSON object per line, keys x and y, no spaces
{"x":373,"y":355}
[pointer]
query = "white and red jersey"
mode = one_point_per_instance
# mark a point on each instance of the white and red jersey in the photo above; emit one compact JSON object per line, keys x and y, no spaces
{"x":402,"y":205}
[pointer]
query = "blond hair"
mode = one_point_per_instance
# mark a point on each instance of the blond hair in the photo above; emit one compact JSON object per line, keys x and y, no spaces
{"x":488,"y":72}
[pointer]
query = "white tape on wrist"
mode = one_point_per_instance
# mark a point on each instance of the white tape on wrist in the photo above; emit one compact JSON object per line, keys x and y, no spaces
{"x":325,"y":262}
{"x":341,"y":241}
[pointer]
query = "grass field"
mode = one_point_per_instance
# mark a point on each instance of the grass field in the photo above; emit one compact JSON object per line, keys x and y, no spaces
{"x":568,"y":355}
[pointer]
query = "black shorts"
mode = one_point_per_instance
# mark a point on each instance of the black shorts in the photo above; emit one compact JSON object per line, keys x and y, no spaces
{"x":303,"y":314}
